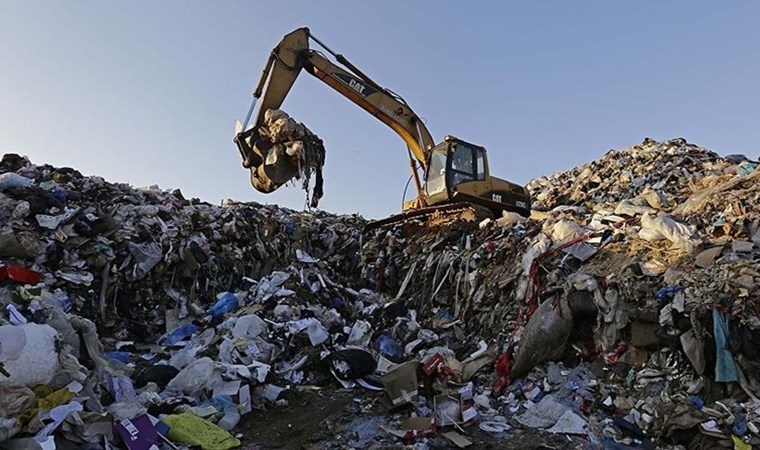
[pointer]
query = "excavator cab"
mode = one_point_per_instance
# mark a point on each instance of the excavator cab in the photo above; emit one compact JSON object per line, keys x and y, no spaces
{"x":458,"y":171}
{"x":453,"y":163}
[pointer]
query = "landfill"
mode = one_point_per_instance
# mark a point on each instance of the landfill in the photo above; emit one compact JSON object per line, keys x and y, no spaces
{"x":624,"y":313}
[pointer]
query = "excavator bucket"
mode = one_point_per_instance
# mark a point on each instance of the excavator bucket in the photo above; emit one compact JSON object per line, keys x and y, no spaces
{"x":280,"y":150}
{"x":265,"y":178}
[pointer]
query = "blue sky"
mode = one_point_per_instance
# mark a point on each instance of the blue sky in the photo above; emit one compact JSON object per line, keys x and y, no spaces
{"x":147,"y":93}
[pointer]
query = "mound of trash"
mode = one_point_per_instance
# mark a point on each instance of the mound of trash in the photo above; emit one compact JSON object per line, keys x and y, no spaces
{"x":623,"y":314}
{"x":643,"y":267}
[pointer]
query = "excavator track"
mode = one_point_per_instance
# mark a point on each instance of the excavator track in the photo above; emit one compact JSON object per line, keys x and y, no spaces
{"x":433,"y":216}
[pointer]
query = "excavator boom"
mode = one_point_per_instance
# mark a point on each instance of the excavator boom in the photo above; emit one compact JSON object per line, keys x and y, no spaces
{"x":293,"y":54}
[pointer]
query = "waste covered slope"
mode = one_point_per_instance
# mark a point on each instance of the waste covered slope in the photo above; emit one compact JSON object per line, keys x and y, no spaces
{"x":623,"y":209}
{"x":642,"y":265}
{"x":626,"y":310}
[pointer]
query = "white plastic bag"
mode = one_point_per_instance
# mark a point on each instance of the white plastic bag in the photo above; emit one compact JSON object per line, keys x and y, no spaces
{"x":198,"y":376}
{"x":662,"y":224}
{"x":13,"y":180}
{"x":248,"y":327}
{"x":28,"y":354}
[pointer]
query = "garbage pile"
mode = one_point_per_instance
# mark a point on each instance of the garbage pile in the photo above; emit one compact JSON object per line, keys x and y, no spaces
{"x":623,"y":314}
{"x":643,"y":265}
{"x":119,"y":305}
{"x":283,"y":149}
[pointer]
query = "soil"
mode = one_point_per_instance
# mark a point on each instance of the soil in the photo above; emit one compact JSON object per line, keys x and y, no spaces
{"x":343,"y":419}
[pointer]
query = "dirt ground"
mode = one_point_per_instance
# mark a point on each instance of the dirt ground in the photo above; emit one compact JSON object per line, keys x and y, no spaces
{"x":342,"y":419}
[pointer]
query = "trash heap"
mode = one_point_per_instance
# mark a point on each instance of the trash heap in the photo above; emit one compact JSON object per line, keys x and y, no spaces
{"x":624,"y":313}
{"x":117,"y":302}
{"x":643,"y":266}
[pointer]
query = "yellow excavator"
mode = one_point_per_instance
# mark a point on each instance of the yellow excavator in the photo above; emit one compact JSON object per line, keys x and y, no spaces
{"x":455,"y":172}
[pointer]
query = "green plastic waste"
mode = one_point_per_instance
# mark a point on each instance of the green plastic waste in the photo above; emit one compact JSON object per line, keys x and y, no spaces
{"x":192,"y":430}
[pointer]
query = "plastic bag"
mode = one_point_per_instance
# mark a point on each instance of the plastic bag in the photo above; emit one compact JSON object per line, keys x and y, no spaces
{"x":160,"y":374}
{"x":36,"y":362}
{"x":181,"y":333}
{"x":231,"y":414}
{"x":540,"y":244}
{"x":545,"y":336}
{"x":664,"y":225}
{"x":360,"y":334}
{"x":352,"y":363}
{"x":8,"y":429}
{"x":389,"y":347}
{"x":248,"y":327}
{"x":196,"y":377}
{"x":147,"y":256}
{"x":228,"y":302}
{"x":13,"y":180}
{"x":14,"y":401}
{"x":55,"y":417}
{"x":88,"y":427}
{"x":544,"y":414}
{"x":565,"y":230}
{"x":317,"y":333}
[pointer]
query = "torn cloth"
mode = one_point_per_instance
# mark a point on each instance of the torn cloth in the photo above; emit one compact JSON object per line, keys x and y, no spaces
{"x":725,"y":366}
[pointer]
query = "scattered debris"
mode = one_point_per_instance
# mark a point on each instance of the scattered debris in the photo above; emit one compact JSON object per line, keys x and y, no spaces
{"x":623,"y":314}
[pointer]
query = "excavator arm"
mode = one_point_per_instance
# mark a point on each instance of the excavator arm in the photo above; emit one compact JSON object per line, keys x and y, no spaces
{"x":292,"y":55}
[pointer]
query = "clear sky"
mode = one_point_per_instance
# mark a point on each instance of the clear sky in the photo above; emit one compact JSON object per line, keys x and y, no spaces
{"x":147,"y":92}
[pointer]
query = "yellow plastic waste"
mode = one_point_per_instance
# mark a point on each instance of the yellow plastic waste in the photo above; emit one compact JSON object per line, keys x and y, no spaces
{"x":192,"y":430}
{"x":47,"y":399}
{"x":739,"y":444}
{"x":56,"y":398}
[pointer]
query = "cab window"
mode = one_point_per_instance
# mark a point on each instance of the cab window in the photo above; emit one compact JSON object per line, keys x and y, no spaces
{"x":467,"y":164}
{"x":436,"y":181}
{"x":480,"y":164}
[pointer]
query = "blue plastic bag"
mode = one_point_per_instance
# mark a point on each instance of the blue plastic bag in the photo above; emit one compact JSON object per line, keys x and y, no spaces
{"x":389,"y":347}
{"x":117,"y":356}
{"x":669,"y":291}
{"x":181,"y":333}
{"x":229,"y":302}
